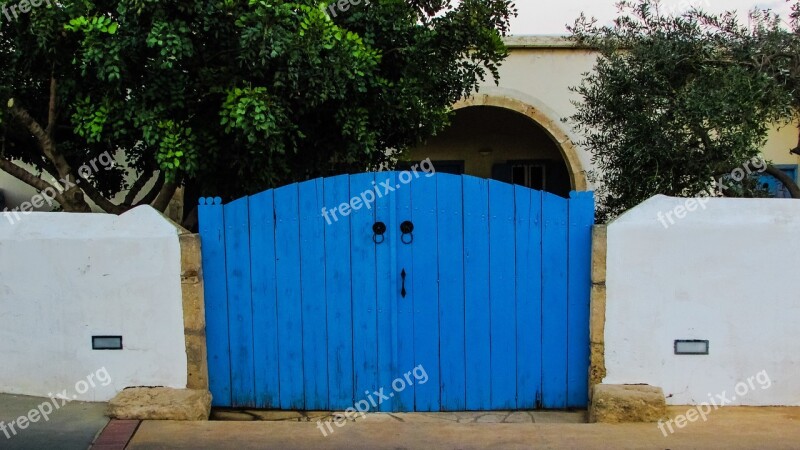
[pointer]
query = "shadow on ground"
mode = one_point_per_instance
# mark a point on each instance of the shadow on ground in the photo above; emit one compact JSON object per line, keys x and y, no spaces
{"x":71,"y":426}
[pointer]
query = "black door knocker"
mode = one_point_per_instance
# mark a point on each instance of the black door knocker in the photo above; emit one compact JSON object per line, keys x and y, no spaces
{"x":407,"y":228}
{"x":379,"y":229}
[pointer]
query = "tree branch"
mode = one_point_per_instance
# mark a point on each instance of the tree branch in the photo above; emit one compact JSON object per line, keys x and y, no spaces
{"x":138,"y":185}
{"x":27,"y":177}
{"x":98,"y":198}
{"x":786,"y":180}
{"x":51,"y":111}
{"x":150,"y":196}
{"x":43,"y":137}
{"x":164,"y":197}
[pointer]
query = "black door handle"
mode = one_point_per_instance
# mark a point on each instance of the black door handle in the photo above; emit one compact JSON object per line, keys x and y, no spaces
{"x":403,"y":290}
{"x":378,"y":230}
{"x":407,"y":229}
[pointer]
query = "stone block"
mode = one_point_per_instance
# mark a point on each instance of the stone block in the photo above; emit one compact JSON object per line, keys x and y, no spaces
{"x":599,"y":253}
{"x":160,"y":403}
{"x":613,"y":403}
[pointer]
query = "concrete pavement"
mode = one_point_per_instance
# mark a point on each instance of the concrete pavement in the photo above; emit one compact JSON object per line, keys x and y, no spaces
{"x":71,"y":426}
{"x":729,"y":428}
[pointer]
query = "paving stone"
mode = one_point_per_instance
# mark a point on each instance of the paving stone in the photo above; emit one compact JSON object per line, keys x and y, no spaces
{"x":518,"y":417}
{"x":232,"y":416}
{"x":491,"y":418}
{"x":376,"y":418}
{"x":314,"y":416}
{"x":278,"y":416}
{"x":561,"y":417}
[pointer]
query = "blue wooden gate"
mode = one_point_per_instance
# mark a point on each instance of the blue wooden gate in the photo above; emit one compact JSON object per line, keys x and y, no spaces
{"x":308,"y":308}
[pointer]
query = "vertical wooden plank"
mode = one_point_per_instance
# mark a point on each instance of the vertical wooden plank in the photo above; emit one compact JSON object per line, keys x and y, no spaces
{"x":529,"y":297}
{"x":451,"y":292}
{"x":312,"y":276}
{"x":386,"y":186}
{"x":554,"y":302}
{"x":404,"y":400}
{"x":426,"y":292}
{"x":476,"y":282}
{"x":337,"y":291}
{"x":240,"y":306}
{"x":365,"y":315}
{"x":212,"y":238}
{"x":502,"y":295}
{"x":265,"y":307}
{"x":290,"y":325}
{"x":581,"y":219}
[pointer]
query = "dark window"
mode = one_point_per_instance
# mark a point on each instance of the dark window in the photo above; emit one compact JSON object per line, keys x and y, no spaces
{"x":530,"y":175}
{"x":542,"y":175}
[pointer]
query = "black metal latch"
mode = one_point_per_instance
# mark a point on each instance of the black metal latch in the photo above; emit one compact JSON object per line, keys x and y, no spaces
{"x":403,"y":290}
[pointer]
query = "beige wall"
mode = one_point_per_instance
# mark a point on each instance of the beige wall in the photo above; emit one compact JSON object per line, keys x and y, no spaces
{"x":782,"y":138}
{"x":539,"y":72}
{"x":505,"y":134}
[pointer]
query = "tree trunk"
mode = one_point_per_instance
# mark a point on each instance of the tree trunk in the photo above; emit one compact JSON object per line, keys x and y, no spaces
{"x":785,"y":180}
{"x":72,"y":199}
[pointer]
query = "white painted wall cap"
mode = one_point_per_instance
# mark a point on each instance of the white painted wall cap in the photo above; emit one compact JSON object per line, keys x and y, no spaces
{"x":142,"y":221}
{"x":713,"y":210}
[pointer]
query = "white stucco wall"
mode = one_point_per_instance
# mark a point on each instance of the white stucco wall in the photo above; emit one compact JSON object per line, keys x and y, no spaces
{"x":725,"y":273}
{"x":66,"y":277}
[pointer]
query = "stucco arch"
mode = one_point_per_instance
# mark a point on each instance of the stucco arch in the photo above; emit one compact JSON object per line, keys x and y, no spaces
{"x":539,"y":114}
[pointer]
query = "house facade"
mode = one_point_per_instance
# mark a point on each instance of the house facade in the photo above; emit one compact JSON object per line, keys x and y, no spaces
{"x":516,"y":132}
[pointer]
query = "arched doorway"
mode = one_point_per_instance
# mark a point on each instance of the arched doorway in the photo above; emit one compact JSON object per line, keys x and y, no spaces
{"x":507,"y":140}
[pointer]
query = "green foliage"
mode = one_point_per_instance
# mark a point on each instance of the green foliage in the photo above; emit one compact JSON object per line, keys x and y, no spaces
{"x":238,"y":96}
{"x":676,"y":102}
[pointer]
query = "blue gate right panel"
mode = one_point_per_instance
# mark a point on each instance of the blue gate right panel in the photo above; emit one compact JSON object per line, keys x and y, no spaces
{"x":451,"y":294}
{"x":529,"y":297}
{"x":426,"y":291}
{"x":554,"y":302}
{"x":404,"y":400}
{"x":581,"y":218}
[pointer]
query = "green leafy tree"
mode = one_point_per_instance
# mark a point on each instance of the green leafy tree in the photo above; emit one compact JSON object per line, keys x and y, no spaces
{"x":675,"y":103}
{"x":231,"y":97}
